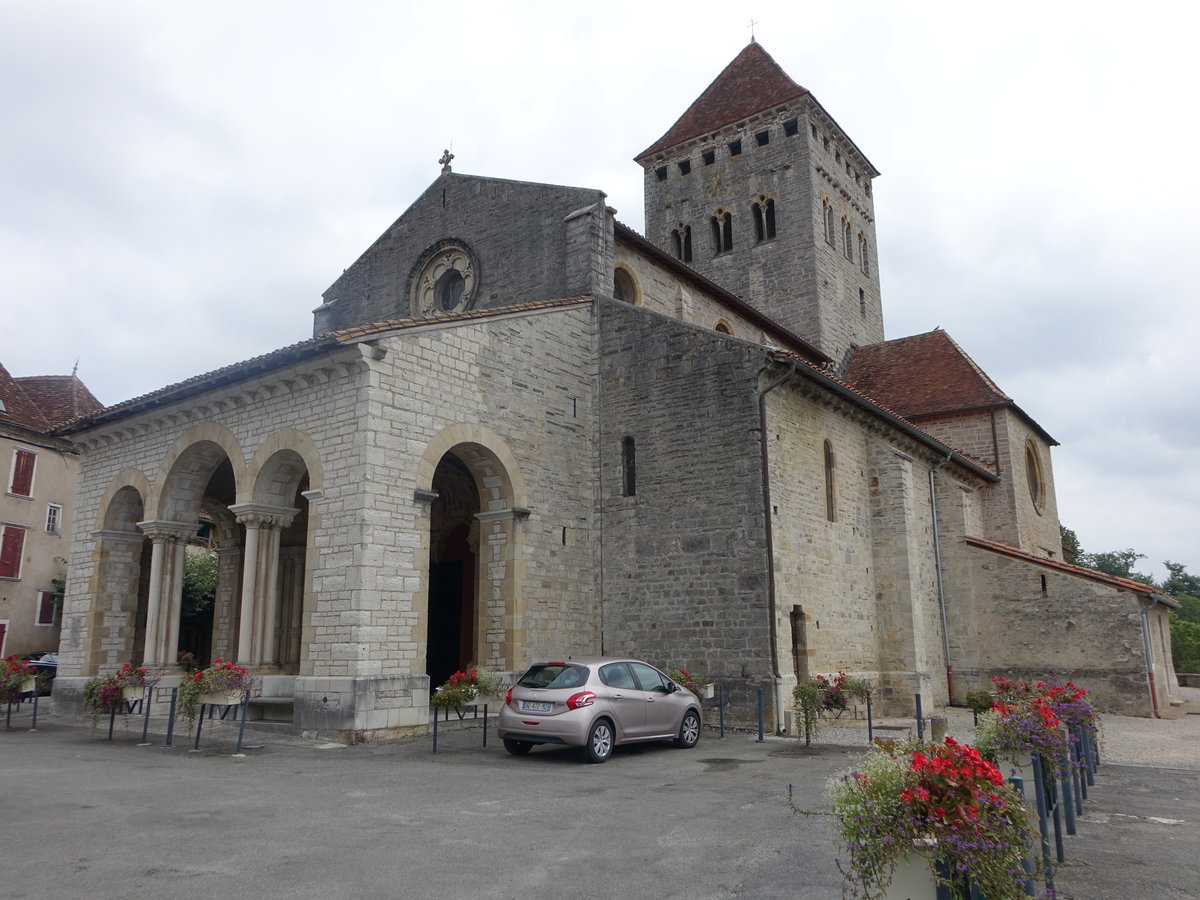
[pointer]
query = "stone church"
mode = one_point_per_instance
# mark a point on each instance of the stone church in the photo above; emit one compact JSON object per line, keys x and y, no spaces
{"x":523,"y":430}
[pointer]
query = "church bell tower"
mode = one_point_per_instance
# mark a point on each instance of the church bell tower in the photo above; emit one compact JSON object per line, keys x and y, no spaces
{"x":759,"y":189}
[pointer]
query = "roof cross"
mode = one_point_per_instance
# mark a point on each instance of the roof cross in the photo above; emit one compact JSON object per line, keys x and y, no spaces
{"x":752,"y":24}
{"x":445,"y":160}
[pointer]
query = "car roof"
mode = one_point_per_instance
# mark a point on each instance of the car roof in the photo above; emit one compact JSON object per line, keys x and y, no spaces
{"x":588,"y":660}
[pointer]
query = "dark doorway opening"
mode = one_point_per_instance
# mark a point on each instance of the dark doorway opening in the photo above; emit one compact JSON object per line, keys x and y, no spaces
{"x":451,"y":639}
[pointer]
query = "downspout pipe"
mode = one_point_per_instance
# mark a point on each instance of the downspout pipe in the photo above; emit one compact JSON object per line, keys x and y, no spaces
{"x":1145,"y":613}
{"x":937,"y":566}
{"x":780,"y":704}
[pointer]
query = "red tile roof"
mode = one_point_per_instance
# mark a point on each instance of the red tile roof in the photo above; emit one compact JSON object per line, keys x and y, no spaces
{"x":928,"y":375}
{"x":923,"y":375}
{"x":1125,"y":584}
{"x":753,"y":82}
{"x":18,"y":408}
{"x":60,"y":397}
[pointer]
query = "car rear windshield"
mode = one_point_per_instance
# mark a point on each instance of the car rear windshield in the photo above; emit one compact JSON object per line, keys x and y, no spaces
{"x":554,"y":675}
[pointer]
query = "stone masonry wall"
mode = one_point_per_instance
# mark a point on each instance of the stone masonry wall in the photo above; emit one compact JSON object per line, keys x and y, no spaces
{"x":684,"y":581}
{"x":516,"y":229}
{"x":1076,"y":629}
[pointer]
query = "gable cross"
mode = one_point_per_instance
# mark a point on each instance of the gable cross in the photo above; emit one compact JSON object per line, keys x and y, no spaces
{"x":445,"y":161}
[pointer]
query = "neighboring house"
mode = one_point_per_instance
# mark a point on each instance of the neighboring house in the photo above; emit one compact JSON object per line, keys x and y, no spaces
{"x":522,"y":430}
{"x":36,"y":507}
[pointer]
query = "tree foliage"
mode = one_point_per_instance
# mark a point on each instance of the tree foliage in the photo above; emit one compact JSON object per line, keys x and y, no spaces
{"x":199,"y":581}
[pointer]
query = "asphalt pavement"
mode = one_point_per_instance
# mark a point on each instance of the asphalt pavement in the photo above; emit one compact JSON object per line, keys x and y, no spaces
{"x":83,"y":817}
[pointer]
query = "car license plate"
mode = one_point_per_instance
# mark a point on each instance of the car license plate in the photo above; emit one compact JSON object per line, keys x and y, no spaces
{"x":534,"y":706}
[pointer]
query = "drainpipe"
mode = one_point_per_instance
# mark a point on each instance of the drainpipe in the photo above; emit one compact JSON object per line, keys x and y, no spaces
{"x":770,"y":541}
{"x":937,"y":566}
{"x":1145,"y":612}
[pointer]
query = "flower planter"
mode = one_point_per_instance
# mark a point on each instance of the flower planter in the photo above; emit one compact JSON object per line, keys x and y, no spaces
{"x":221,"y":698}
{"x":912,"y":880}
{"x":708,"y":691}
{"x":133,"y":693}
{"x":29,"y":685}
{"x":1020,"y":765}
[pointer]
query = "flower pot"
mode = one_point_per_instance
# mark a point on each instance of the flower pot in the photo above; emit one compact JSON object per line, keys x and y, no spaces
{"x":912,"y":879}
{"x":221,"y":698}
{"x":131,"y":693}
{"x":1020,"y":765}
{"x":29,"y":685}
{"x":708,"y":691}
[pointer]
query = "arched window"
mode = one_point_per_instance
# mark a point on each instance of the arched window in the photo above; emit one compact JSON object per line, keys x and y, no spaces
{"x":759,"y":229}
{"x":770,"y":219}
{"x":628,"y":468}
{"x":864,"y":260}
{"x":677,"y":243}
{"x":830,"y":495}
{"x":687,"y":243}
{"x":847,"y":240}
{"x":724,"y":327}
{"x":722,"y":232}
{"x":830,"y":234}
{"x":1035,"y":476}
{"x":625,"y":287}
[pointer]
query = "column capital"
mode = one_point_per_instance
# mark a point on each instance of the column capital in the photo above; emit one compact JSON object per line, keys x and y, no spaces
{"x":108,"y":534}
{"x":259,"y":514}
{"x":161,"y":530}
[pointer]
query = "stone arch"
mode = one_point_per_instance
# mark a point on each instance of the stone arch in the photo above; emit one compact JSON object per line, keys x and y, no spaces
{"x":188,"y":465}
{"x":119,"y":586}
{"x":294,"y":442}
{"x":489,"y":495}
{"x":287,"y":476}
{"x":130,"y":487}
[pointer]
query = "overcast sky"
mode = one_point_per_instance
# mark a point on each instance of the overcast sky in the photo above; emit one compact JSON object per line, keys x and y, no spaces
{"x":182,"y":180}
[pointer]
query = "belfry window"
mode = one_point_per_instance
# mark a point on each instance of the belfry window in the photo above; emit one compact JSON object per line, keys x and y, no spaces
{"x":847,"y":240}
{"x":764,"y":219}
{"x":864,"y":259}
{"x":687,"y":243}
{"x":677,"y":243}
{"x":722,"y":232}
{"x":830,"y":234}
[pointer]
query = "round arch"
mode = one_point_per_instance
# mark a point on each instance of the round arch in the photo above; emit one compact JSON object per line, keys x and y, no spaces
{"x":296,"y":447}
{"x":116,"y":506}
{"x":484,"y":443}
{"x":188,"y":464}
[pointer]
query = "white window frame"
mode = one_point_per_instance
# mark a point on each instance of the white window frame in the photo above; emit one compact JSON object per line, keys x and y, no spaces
{"x":37,"y":613}
{"x":54,"y":517}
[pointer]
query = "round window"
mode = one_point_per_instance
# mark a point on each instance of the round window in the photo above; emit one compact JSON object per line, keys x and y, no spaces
{"x":449,"y":289}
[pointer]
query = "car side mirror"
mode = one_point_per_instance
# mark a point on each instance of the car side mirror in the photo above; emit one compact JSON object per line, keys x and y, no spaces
{"x":672,"y":687}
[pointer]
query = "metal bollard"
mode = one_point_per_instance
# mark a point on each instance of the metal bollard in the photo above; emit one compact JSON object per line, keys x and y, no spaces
{"x":762,"y":708}
{"x":920,"y":720}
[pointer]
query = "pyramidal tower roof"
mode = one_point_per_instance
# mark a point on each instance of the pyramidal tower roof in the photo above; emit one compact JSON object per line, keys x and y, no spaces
{"x":751,"y":83}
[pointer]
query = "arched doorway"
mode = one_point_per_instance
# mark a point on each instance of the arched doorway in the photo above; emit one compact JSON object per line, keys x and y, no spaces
{"x":452,"y":641}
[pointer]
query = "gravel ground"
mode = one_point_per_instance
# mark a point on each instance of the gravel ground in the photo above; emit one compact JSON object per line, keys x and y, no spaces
{"x":1124,"y":740}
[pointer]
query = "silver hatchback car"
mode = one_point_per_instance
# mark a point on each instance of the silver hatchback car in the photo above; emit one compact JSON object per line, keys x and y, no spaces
{"x":596,"y":704}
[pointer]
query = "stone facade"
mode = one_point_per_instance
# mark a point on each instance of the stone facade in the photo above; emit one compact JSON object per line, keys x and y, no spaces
{"x":523,"y":431}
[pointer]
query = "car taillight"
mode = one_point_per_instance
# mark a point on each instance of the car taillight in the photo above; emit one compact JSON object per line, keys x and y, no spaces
{"x":508,"y":698}
{"x":580,"y":700}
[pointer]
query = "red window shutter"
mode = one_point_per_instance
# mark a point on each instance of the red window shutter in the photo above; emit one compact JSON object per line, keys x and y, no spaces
{"x":22,"y":482}
{"x":45,"y":613}
{"x":10,"y":552}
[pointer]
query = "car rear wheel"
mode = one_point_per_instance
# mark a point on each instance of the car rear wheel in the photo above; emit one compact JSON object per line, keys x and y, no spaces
{"x":600,"y":741}
{"x":689,"y":730}
{"x":517,"y":748}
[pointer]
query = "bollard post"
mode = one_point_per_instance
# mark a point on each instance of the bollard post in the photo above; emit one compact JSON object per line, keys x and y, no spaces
{"x":36,"y":692}
{"x":112,"y":718}
{"x":171,"y":717}
{"x":1039,"y":791}
{"x":242,"y":723}
{"x":721,"y":706}
{"x":870,"y":723}
{"x":147,"y":699}
{"x":761,"y":713}
{"x":920,"y":720}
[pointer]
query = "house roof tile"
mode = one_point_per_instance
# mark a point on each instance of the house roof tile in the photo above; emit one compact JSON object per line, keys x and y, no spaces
{"x":60,"y":397}
{"x":753,"y":82}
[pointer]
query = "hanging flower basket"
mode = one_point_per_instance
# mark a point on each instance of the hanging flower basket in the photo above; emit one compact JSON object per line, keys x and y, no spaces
{"x":221,"y":698}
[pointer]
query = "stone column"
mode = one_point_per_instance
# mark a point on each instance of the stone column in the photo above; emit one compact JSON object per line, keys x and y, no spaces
{"x":260,"y":597}
{"x":167,"y":540}
{"x":228,"y":558}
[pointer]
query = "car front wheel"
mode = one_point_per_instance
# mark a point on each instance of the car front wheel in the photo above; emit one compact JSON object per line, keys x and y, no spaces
{"x":600,"y":741}
{"x":689,"y":730}
{"x":517,"y":748}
